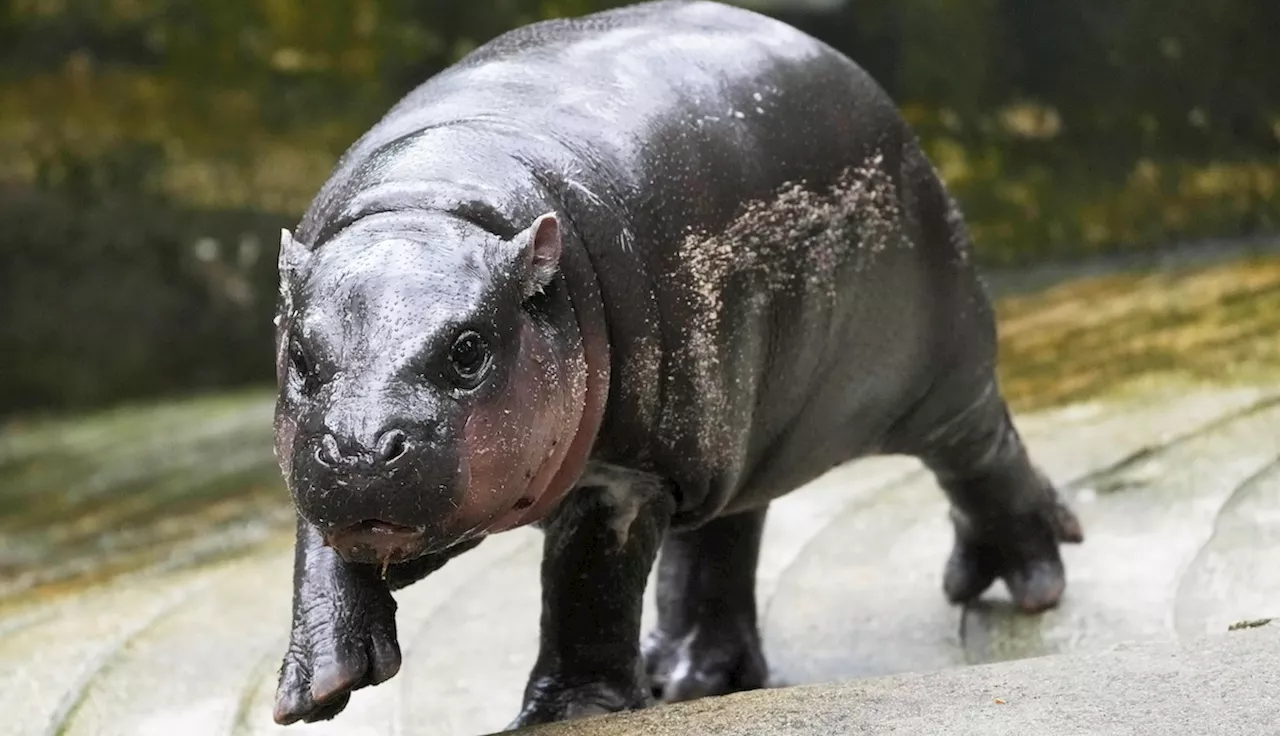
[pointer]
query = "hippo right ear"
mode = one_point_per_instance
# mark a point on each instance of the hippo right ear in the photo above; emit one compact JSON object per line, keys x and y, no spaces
{"x":539,"y":253}
{"x":293,"y":257}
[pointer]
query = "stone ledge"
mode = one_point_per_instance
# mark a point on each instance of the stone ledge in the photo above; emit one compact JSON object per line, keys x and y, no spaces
{"x":1221,"y":684}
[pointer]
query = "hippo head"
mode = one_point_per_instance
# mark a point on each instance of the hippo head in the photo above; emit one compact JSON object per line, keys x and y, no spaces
{"x":430,"y":383}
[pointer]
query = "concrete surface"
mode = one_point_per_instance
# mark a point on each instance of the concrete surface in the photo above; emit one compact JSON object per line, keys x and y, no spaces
{"x":1225,"y":684}
{"x":1179,"y":494}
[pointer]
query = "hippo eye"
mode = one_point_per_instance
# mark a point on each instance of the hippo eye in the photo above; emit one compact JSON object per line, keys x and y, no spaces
{"x":468,"y":359}
{"x":303,"y":368}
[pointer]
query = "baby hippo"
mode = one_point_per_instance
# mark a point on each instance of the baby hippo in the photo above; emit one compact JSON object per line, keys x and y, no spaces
{"x":628,"y":278}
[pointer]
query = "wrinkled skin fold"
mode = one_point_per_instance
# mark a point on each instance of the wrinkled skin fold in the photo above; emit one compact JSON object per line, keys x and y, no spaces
{"x":343,"y":636}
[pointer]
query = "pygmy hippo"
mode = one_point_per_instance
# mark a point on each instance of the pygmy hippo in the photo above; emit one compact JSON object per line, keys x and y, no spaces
{"x":628,"y":278}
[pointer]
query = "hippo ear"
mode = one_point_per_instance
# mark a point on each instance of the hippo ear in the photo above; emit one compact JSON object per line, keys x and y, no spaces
{"x":293,"y":257}
{"x":539,"y":253}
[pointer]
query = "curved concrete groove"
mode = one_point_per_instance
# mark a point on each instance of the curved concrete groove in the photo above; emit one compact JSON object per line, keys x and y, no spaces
{"x":1233,"y":575}
{"x":1146,"y":452}
{"x":267,"y":668}
{"x":74,"y":697}
{"x":795,"y":520}
{"x":64,"y":646}
{"x":896,"y":547}
{"x":205,"y":647}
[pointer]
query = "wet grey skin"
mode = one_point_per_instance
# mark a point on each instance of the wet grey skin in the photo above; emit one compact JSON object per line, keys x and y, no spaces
{"x":628,"y":278}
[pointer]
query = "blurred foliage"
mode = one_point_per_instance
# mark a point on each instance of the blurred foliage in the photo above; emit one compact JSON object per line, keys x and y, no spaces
{"x":150,"y":150}
{"x":1074,"y":127}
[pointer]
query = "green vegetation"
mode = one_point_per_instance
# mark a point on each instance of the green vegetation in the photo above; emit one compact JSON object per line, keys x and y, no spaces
{"x":1090,"y":337}
{"x":149,"y":151}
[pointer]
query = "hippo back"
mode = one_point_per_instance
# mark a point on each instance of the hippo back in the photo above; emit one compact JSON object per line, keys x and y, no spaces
{"x":746,"y":196}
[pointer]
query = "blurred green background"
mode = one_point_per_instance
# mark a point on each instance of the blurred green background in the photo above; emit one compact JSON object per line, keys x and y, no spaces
{"x":149,"y":151}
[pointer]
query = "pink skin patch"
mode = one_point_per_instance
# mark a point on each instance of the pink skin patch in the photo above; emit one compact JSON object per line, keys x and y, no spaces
{"x":569,"y":465}
{"x":514,"y":447}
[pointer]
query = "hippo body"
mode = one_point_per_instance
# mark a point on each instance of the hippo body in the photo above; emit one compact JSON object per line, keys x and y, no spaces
{"x":629,"y":277}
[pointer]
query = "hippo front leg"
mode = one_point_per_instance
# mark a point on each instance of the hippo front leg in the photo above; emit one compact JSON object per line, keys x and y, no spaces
{"x":343,"y":636}
{"x":600,"y":545}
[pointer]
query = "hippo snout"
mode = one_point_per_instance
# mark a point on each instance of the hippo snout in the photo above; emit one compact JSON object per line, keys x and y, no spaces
{"x":390,"y":447}
{"x":389,"y":494}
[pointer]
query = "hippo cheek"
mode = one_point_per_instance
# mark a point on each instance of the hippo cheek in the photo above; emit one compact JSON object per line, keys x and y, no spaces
{"x":497,"y":462}
{"x":513,"y":443}
{"x":558,"y":427}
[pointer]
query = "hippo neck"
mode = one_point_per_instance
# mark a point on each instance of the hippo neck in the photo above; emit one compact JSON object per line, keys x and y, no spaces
{"x":583,"y":285}
{"x":579,"y":278}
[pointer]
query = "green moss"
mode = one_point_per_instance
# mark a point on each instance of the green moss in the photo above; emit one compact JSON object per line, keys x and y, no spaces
{"x":1092,"y":337}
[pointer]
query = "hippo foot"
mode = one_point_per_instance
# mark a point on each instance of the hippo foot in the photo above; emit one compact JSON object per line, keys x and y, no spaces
{"x":1021,"y":550}
{"x":546,"y":702}
{"x":715,"y":658}
{"x":326,"y":662}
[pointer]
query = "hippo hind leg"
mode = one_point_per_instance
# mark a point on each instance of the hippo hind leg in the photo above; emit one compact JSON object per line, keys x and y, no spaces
{"x":1009,"y":518}
{"x":707,"y":641}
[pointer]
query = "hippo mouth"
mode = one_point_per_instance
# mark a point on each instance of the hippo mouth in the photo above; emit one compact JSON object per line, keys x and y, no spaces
{"x":378,"y":542}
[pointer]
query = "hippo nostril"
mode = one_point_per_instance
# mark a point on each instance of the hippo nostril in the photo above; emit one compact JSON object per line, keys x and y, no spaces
{"x":328,"y":454}
{"x":391,"y":446}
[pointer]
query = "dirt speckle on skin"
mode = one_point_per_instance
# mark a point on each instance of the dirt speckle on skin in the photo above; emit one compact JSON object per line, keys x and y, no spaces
{"x":959,"y":229}
{"x":798,"y":242}
{"x":640,"y":375}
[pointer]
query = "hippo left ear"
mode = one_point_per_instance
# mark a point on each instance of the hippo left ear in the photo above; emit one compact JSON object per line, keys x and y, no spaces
{"x":539,"y":253}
